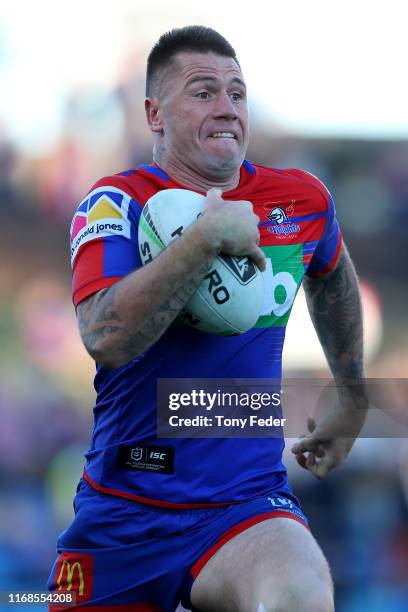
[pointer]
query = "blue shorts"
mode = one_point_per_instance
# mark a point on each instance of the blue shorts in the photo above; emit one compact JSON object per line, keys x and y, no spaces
{"x":132,"y":556}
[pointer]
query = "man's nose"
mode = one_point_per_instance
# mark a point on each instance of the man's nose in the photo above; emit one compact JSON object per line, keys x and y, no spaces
{"x":224,"y":107}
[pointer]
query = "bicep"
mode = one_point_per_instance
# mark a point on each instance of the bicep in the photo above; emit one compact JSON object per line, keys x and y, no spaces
{"x":333,"y":290}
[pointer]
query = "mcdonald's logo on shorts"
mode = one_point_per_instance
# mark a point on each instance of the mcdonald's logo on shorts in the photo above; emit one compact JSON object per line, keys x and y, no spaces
{"x":74,"y":573}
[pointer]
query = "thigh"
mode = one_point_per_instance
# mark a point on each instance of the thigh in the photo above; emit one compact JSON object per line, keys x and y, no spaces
{"x":119,"y":555}
{"x":276,"y":563}
{"x":123,"y":579}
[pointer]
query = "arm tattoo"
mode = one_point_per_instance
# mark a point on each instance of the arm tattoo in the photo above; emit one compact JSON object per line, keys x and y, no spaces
{"x":335,"y":308}
{"x":99,"y":320}
{"x":136,"y":342}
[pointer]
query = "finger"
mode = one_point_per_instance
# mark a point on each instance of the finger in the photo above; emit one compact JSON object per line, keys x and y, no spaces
{"x":301,"y":459}
{"x":258,"y":256}
{"x":297,"y":448}
{"x":306,"y":444}
{"x":320,"y":453}
{"x":320,"y":469}
{"x":311,"y":461}
{"x":324,"y":465}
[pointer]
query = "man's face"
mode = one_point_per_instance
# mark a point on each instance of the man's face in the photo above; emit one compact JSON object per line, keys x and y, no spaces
{"x":204,"y":109}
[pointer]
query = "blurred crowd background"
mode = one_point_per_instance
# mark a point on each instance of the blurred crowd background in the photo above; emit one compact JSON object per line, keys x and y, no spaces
{"x":359,"y":514}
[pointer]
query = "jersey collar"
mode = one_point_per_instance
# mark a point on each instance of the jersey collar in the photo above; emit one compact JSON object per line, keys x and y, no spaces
{"x":248,"y":176}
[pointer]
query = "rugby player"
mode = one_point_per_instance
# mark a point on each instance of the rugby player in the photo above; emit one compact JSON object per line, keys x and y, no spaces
{"x":211,"y":523}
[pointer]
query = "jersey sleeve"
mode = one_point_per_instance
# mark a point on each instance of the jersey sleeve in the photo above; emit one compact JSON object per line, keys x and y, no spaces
{"x":328,"y":248}
{"x":104,"y":245}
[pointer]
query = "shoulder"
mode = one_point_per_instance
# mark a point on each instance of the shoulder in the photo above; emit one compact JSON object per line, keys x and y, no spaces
{"x":129,"y":182}
{"x":139,"y":183}
{"x":298,"y":181}
{"x":127,"y":190}
{"x":111,"y":205}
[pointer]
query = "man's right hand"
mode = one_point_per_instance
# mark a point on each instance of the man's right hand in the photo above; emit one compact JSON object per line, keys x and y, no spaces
{"x":232,"y":227}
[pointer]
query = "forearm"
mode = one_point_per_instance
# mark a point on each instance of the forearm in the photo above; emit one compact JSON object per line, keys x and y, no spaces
{"x":123,"y":321}
{"x":335,"y":307}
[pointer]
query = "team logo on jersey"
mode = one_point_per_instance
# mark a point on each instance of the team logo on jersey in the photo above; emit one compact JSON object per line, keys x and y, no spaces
{"x":277,"y":216}
{"x":103,"y":213}
{"x":281,"y":225}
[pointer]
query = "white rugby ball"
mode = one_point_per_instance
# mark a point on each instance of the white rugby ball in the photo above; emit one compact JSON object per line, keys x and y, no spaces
{"x":230,"y":298}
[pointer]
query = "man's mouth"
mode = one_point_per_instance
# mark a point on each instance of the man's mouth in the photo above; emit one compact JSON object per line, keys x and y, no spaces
{"x":223,"y":135}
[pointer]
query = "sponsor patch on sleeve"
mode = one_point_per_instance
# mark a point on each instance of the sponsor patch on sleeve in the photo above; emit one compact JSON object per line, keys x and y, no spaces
{"x":104,"y":212}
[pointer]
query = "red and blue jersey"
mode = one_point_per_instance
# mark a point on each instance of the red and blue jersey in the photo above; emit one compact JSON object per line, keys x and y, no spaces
{"x":299,"y":235}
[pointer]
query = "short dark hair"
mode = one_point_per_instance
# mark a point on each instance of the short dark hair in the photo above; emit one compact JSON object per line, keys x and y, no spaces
{"x":190,"y":38}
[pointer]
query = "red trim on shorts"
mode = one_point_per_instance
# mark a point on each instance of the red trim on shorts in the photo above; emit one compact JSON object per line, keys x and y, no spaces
{"x":132,"y":607}
{"x":153,"y":502}
{"x":228,"y":535}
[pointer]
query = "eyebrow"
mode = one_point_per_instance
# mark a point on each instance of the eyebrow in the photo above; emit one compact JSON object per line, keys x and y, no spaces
{"x":200,"y":79}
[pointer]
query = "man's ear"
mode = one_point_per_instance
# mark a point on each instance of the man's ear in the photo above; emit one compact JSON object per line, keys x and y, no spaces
{"x":154,"y":115}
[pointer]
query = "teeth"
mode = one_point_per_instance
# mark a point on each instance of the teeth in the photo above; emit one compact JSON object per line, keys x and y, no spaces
{"x":222,"y":135}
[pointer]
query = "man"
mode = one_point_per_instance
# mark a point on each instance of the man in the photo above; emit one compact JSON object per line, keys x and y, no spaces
{"x":216,"y":534}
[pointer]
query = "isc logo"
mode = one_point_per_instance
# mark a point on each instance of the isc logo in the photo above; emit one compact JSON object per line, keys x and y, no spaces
{"x":157,"y":455}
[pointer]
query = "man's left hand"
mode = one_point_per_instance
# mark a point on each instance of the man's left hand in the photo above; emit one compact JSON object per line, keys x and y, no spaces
{"x":323,"y":449}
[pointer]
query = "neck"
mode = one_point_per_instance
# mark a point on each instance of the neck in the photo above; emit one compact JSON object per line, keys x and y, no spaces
{"x":192,"y":179}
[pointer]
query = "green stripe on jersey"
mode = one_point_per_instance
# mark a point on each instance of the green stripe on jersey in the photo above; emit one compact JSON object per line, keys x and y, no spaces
{"x":282,"y":279}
